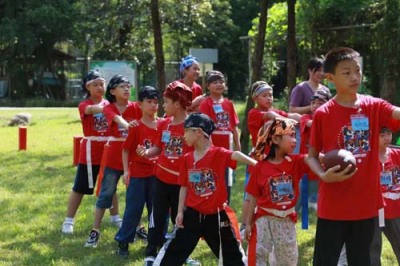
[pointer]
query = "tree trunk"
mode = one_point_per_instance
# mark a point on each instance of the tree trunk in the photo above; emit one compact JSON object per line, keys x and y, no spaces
{"x":291,"y":46}
{"x":391,"y":51}
{"x":257,"y":62}
{"x":158,"y":47}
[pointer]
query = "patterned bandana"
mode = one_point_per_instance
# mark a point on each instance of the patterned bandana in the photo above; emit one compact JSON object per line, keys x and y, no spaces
{"x":187,"y":62}
{"x":260,"y":89}
{"x":321,"y":95}
{"x":177,"y":91}
{"x":91,"y":77}
{"x":112,"y":84}
{"x":278,"y":127}
{"x":202,"y":121}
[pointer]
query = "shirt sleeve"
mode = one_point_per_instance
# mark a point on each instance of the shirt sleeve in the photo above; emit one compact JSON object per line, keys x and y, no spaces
{"x":296,"y":96}
{"x":252,"y":187}
{"x":82,"y":107}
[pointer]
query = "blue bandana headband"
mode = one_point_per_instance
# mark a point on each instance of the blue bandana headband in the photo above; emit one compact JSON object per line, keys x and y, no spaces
{"x":187,"y":62}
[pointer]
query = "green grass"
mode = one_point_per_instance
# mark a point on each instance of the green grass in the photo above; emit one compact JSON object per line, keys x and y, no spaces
{"x":34,"y":189}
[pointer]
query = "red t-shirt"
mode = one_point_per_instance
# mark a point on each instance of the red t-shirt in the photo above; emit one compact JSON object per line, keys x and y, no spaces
{"x":196,"y":89}
{"x":173,"y":146}
{"x":255,"y":121}
{"x":140,"y":135}
{"x":132,"y":112}
{"x":205,"y":179}
{"x":305,"y":137}
{"x":224,"y":116}
{"x":390,"y":182}
{"x":305,"y":132}
{"x":358,"y":197}
{"x":92,"y":125}
{"x":276,"y":186}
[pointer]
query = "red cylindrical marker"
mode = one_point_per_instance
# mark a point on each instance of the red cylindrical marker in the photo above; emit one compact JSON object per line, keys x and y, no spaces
{"x":22,"y":132}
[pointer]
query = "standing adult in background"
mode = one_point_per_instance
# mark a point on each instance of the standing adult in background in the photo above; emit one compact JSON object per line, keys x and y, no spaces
{"x":300,"y":97}
{"x":300,"y":102}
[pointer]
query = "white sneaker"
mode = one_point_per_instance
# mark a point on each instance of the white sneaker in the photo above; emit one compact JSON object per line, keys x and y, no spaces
{"x":67,"y":228}
{"x":117,"y":223}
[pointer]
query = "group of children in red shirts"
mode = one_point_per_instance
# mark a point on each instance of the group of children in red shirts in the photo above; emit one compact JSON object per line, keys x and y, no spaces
{"x":181,"y":166}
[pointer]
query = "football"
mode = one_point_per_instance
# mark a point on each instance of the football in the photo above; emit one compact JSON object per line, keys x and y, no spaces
{"x":339,"y":157}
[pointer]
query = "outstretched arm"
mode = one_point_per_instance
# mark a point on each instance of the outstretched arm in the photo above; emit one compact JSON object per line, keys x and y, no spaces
{"x":396,"y":113}
{"x":240,"y":157}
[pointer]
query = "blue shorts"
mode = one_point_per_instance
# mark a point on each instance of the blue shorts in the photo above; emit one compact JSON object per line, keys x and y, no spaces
{"x":108,"y":187}
{"x":81,"y":184}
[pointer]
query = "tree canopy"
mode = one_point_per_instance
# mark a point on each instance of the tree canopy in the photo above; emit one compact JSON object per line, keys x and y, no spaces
{"x":30,"y":31}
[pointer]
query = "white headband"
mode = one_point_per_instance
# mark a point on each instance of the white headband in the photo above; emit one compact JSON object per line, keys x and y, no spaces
{"x":93,"y":80}
{"x":261,"y":89}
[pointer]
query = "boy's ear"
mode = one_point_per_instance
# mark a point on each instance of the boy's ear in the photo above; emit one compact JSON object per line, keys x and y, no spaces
{"x":329,"y":77}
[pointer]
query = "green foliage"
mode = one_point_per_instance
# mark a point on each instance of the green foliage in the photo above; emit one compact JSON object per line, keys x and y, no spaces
{"x":29,"y":30}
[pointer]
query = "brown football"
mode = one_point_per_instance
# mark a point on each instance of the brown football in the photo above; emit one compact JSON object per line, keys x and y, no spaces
{"x":339,"y":157}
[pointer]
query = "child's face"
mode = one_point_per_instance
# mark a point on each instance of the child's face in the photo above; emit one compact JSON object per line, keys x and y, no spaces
{"x":347,"y":77}
{"x":191,"y":135}
{"x":122,"y":91}
{"x":217,"y":87}
{"x":170,"y":107}
{"x":316,"y":75}
{"x":149,"y":106}
{"x":192,"y":72}
{"x":265,"y":99}
{"x":385,"y":139}
{"x":96,"y":89}
{"x":315,"y":104}
{"x":286,"y":143}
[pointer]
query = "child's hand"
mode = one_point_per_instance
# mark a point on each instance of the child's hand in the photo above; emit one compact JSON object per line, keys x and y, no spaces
{"x":141,"y":150}
{"x":247,"y":232}
{"x":133,"y":123}
{"x":331,"y":175}
{"x":126,"y":178}
{"x":179,"y":220}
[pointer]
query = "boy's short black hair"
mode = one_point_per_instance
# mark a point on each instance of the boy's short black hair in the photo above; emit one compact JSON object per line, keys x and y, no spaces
{"x":148,"y":92}
{"x":315,"y":64}
{"x":337,"y":55}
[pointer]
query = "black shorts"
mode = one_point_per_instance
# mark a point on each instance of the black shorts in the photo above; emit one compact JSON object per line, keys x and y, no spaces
{"x":81,"y":184}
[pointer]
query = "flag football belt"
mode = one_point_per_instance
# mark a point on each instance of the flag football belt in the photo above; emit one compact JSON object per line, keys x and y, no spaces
{"x":391,"y":195}
{"x":278,"y":213}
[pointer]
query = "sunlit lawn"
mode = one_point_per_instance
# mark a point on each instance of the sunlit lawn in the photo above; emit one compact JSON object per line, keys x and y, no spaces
{"x":34,"y":189}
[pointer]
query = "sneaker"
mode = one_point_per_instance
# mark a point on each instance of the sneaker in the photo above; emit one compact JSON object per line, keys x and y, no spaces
{"x":123,"y":250}
{"x":242,"y":231}
{"x":67,"y":228}
{"x":192,"y":262}
{"x":93,"y":239}
{"x":141,"y":233}
{"x":117,"y":223}
{"x":312,"y":205}
{"x":148,"y":261}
